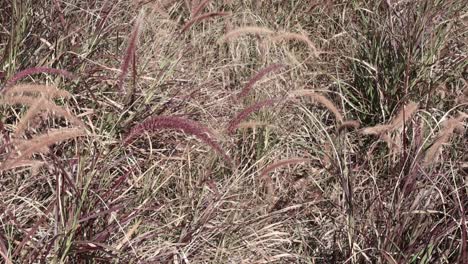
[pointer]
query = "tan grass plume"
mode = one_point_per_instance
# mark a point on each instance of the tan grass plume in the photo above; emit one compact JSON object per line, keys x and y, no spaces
{"x":316,"y":97}
{"x":39,"y":144}
{"x":280,"y":163}
{"x":297,"y":37}
{"x":451,"y":126}
{"x":404,"y":115}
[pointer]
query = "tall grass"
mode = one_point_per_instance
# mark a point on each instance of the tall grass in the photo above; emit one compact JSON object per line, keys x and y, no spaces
{"x":365,"y":163}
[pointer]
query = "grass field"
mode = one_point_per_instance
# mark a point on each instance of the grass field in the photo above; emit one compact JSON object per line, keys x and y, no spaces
{"x":197,"y":131}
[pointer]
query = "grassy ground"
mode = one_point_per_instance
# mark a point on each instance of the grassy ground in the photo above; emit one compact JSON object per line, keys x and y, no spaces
{"x":233,"y":131}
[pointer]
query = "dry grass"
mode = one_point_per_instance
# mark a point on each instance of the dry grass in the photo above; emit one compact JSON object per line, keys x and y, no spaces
{"x":179,"y":136}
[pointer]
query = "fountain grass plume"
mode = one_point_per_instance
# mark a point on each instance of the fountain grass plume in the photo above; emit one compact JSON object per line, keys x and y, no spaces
{"x":178,"y":123}
{"x":233,"y":124}
{"x":200,"y":18}
{"x":35,"y":70}
{"x":129,"y":53}
{"x":318,"y":98}
{"x":257,"y":77}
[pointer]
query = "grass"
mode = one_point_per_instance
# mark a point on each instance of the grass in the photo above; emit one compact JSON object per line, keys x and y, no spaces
{"x":233,"y":131}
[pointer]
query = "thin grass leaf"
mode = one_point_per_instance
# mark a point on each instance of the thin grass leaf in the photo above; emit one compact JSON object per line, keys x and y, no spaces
{"x":450,"y":127}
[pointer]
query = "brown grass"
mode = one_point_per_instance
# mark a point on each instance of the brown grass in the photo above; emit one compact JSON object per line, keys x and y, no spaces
{"x":201,"y":18}
{"x":39,"y":144}
{"x":168,"y":195}
{"x":257,"y":77}
{"x":236,"y":33}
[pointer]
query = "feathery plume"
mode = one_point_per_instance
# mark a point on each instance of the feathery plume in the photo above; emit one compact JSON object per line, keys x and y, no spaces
{"x":281,"y":163}
{"x":299,"y":37}
{"x":40,"y":144}
{"x":200,"y":18}
{"x":243,"y":31}
{"x":129,"y":53}
{"x":319,"y":99}
{"x":47,"y":91}
{"x":253,"y":124}
{"x":247,"y":111}
{"x":32,"y":111}
{"x":185,"y":125}
{"x":257,"y":77}
{"x":45,"y":106}
{"x":376,"y":130}
{"x":403,"y":116}
{"x":451,"y":126}
{"x":35,"y":70}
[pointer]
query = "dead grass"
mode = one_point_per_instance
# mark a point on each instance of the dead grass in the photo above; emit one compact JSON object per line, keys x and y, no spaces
{"x":143,"y":154}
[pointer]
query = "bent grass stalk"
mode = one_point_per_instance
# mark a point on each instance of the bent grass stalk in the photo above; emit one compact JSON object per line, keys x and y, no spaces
{"x":298,"y":37}
{"x":316,"y":97}
{"x":200,"y":18}
{"x":178,"y":123}
{"x":257,"y":77}
{"x":35,"y":70}
{"x":129,"y":53}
